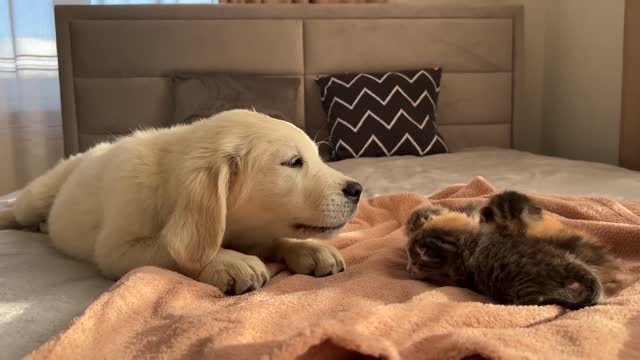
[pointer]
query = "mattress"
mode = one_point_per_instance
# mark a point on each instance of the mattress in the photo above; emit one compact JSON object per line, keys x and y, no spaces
{"x":503,"y":168}
{"x":41,"y":290}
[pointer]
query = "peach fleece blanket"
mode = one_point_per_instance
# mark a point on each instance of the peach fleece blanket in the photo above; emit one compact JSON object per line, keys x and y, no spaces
{"x":372,"y":309}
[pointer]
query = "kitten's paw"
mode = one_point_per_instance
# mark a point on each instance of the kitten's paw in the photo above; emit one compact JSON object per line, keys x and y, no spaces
{"x":420,"y":216}
{"x":310,"y":257}
{"x":235,"y":273}
{"x":509,"y":212}
{"x":511,"y":205}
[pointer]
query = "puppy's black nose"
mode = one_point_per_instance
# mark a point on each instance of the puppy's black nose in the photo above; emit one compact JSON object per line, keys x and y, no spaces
{"x":352,"y":190}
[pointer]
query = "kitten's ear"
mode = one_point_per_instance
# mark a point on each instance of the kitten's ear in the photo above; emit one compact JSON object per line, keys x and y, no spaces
{"x":487,"y":215}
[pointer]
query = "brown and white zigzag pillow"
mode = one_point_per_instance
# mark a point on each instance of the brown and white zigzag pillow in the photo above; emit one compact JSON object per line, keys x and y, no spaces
{"x":382,"y":114}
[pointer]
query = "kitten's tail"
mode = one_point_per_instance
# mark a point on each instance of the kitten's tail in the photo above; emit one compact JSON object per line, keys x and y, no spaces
{"x":581,"y":290}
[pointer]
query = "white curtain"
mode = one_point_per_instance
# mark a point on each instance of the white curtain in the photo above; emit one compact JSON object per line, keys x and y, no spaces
{"x":30,"y":128}
{"x":30,"y":121}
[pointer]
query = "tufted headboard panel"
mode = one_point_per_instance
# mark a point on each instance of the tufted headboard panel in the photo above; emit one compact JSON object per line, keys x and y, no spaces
{"x":116,"y":62}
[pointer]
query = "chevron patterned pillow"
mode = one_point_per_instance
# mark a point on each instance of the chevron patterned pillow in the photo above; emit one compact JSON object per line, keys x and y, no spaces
{"x":382,"y":114}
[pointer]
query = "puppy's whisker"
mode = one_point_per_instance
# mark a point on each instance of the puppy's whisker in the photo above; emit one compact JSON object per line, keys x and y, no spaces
{"x":316,"y":135}
{"x":327,"y":138}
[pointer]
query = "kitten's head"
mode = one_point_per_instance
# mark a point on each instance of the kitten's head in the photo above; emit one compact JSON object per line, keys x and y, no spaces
{"x":431,"y":256}
{"x":435,"y":238}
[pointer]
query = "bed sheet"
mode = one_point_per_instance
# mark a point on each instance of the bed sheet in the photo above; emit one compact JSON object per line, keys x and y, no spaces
{"x":504,"y":168}
{"x":41,"y":290}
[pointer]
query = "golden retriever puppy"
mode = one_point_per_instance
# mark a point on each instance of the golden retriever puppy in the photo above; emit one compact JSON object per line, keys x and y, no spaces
{"x":211,"y":200}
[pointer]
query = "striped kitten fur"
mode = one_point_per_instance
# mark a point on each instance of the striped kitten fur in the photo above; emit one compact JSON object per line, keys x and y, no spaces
{"x":511,"y":251}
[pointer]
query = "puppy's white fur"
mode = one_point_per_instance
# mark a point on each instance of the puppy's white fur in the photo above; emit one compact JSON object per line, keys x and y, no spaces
{"x":206,"y":199}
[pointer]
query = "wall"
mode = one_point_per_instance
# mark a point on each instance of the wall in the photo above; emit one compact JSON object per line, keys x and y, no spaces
{"x":630,"y":123}
{"x":535,"y":12}
{"x":583,"y":79}
{"x":573,"y":75}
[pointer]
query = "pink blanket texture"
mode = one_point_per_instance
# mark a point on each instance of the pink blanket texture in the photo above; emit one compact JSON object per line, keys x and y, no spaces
{"x":372,"y":310}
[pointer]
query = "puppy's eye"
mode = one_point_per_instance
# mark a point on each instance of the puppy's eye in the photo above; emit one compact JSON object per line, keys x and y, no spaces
{"x":294,"y":162}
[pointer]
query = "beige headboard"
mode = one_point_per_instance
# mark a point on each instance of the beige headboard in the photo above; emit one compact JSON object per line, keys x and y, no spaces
{"x":116,"y":61}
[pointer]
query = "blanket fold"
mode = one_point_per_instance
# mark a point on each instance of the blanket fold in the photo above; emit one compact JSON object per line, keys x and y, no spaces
{"x":372,"y":310}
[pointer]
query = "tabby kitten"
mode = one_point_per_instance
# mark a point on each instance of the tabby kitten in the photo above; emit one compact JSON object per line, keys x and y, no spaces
{"x":513,"y":214}
{"x":509,"y":250}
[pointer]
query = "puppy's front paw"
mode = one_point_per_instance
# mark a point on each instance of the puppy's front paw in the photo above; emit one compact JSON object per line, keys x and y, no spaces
{"x":311,"y":257}
{"x":235,"y":273}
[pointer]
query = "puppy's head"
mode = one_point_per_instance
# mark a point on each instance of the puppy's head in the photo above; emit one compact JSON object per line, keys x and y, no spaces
{"x":248,"y":176}
{"x":281,"y":185}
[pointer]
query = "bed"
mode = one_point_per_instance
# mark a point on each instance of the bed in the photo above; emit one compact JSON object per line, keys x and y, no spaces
{"x":110,"y":86}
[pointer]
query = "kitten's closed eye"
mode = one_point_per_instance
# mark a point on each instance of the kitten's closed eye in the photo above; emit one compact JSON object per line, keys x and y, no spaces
{"x":427,"y":253}
{"x":429,"y":258}
{"x":432,"y":251}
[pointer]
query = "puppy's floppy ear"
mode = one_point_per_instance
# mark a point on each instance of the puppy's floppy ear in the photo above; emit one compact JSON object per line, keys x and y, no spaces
{"x":195,"y":229}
